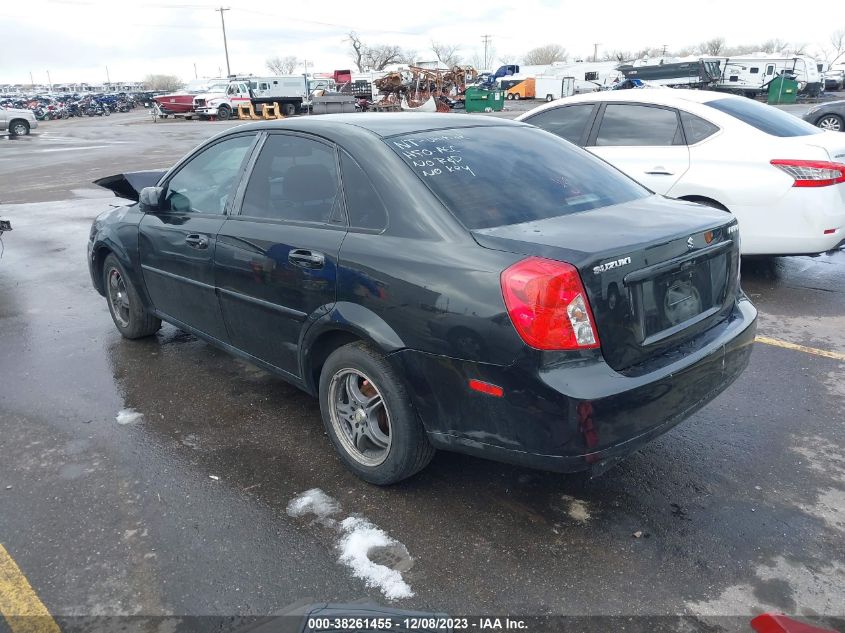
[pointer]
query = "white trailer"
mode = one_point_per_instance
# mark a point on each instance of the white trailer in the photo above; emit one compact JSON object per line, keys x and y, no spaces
{"x":750,"y":75}
{"x":588,"y":76}
{"x":551,"y":87}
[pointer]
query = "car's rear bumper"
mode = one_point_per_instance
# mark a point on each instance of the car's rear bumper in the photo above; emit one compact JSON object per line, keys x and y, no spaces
{"x":576,"y":414}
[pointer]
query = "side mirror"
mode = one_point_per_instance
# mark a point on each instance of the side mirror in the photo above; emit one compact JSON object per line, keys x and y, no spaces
{"x":150,"y":199}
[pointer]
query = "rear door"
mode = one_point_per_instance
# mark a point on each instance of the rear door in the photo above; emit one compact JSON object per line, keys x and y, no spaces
{"x":276,"y":260}
{"x":177,"y":243}
{"x":644,"y":141}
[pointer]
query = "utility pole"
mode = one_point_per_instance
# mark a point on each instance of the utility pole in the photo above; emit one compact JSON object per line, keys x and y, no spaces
{"x":195,"y":70}
{"x":664,"y":50}
{"x":486,"y":39}
{"x":49,"y":81}
{"x":596,"y":51}
{"x":108,"y":79}
{"x":225,"y":45}
{"x":31,"y":80}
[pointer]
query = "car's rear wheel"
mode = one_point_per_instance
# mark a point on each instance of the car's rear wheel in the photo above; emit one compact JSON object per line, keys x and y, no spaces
{"x":127,"y":310}
{"x":832,"y":122}
{"x":19,"y":127}
{"x":367,"y":413}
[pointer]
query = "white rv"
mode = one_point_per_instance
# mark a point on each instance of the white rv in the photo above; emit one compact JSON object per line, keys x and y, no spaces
{"x":588,"y":76}
{"x":750,"y":75}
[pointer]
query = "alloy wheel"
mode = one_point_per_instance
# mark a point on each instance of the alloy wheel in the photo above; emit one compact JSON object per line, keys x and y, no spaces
{"x":118,"y":297}
{"x":832,"y":123}
{"x":359,"y":416}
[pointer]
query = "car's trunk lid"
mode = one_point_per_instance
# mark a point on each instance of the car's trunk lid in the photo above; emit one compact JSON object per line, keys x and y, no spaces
{"x":657,"y":272}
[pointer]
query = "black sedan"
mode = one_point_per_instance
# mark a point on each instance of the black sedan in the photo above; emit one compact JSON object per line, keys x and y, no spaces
{"x":828,"y":116}
{"x":439,"y":282}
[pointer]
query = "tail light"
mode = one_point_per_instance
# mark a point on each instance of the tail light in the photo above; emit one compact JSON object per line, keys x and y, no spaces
{"x":547,"y":305}
{"x":812,"y":173}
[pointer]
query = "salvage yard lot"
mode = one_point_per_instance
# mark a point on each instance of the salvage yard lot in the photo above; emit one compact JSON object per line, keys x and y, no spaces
{"x":740,"y":509}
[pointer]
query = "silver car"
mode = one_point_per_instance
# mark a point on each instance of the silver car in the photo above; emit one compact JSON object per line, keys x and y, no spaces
{"x":17,"y":122}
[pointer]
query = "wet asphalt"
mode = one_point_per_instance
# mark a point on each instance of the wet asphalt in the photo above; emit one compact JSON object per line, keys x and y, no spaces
{"x":739,"y":510}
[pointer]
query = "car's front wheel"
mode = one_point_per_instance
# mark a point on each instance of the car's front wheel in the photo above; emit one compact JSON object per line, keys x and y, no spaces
{"x":368,"y":415}
{"x":223,"y":113}
{"x":832,"y":122}
{"x":127,"y":310}
{"x":19,"y":127}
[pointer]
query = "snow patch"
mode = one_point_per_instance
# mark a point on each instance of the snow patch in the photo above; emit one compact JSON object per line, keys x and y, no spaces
{"x":315,"y":502}
{"x":577,"y":509}
{"x":129,"y":416}
{"x":359,"y":537}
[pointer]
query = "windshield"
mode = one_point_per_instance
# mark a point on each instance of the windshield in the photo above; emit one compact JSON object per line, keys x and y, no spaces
{"x":494,"y":176}
{"x":764,"y":117}
{"x":217,"y":88}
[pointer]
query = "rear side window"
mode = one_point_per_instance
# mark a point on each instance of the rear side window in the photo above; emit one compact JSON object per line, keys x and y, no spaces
{"x":567,"y":122}
{"x":764,"y":117}
{"x":478,"y":176}
{"x":363,"y":204}
{"x":294,"y":178}
{"x":624,"y":124}
{"x":696,"y":129}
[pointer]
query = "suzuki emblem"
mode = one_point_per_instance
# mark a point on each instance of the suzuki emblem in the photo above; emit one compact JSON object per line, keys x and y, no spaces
{"x":690,"y":242}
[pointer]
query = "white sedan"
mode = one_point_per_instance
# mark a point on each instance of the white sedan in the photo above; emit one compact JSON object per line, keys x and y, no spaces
{"x":782,"y":178}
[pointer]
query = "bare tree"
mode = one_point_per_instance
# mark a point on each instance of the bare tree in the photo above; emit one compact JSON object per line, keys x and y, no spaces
{"x":162,"y":82}
{"x":374,"y":57}
{"x":548,"y":54}
{"x":836,"y":50}
{"x":409,"y":57}
{"x":358,"y":50}
{"x":377,"y":57}
{"x":774,"y":45}
{"x":618,"y":56}
{"x":714,"y":47}
{"x":282,"y":65}
{"x":446,"y":54}
{"x":796,"y":48}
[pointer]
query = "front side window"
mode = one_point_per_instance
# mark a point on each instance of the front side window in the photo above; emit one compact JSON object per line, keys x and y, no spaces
{"x":624,"y":124}
{"x":206,"y":183}
{"x":568,"y":122}
{"x":294,"y":179}
{"x":478,"y":176}
{"x":764,"y":117}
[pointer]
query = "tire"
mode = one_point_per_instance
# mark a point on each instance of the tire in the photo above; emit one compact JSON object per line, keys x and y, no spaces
{"x":125,"y":305}
{"x":288,"y":109}
{"x":832,"y":122}
{"x":509,"y":97}
{"x":516,"y":96}
{"x":223,"y":113}
{"x":18,"y":127}
{"x":391,"y":443}
{"x":550,"y":98}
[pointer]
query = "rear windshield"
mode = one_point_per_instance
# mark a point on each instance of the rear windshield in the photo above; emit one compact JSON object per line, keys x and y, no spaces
{"x":764,"y":117}
{"x":494,"y":176}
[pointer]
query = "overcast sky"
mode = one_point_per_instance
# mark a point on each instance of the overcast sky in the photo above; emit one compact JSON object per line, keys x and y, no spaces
{"x":76,"y":39}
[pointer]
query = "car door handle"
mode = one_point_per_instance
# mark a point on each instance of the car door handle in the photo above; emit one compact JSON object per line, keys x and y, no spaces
{"x":196,"y":240}
{"x":659,"y":170}
{"x":306,"y":259}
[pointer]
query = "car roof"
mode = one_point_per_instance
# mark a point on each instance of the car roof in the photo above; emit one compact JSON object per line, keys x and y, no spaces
{"x":383,"y":124}
{"x":659,"y":96}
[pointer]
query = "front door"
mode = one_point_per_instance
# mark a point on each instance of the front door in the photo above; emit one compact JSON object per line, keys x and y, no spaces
{"x":177,"y":242}
{"x":644,"y":141}
{"x":276,"y":261}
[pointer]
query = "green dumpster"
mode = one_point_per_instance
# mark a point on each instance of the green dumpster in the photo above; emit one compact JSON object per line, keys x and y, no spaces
{"x":783,"y":89}
{"x":482,"y":100}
